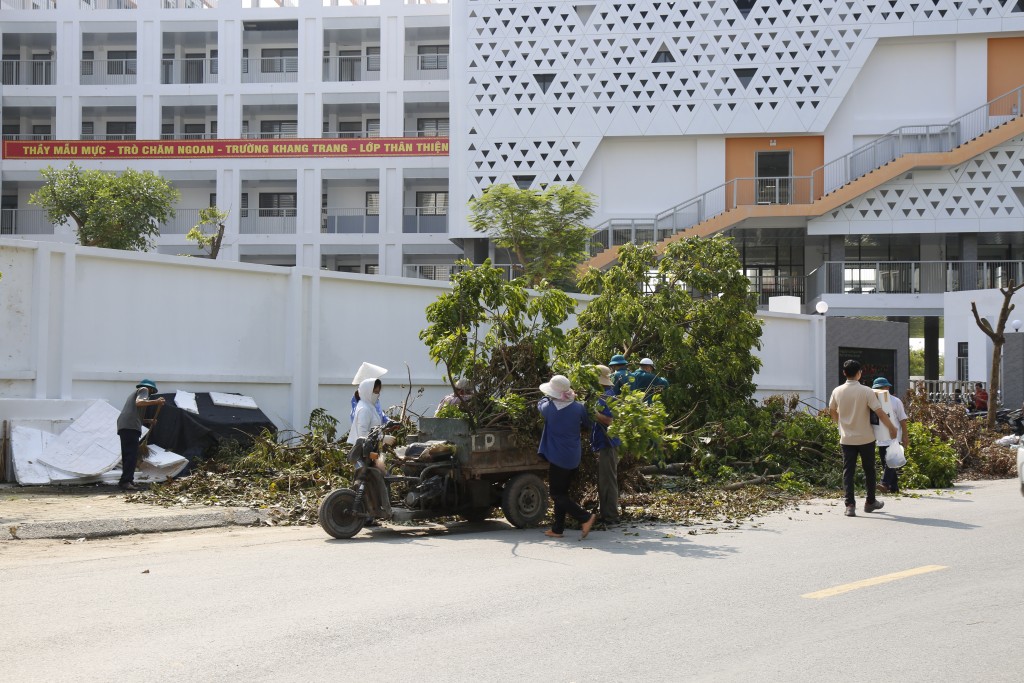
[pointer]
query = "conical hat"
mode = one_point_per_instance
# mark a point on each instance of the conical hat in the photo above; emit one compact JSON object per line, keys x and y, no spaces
{"x":368,"y":371}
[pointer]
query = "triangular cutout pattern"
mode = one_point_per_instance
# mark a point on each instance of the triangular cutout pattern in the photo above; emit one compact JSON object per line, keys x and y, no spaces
{"x":657,"y":66}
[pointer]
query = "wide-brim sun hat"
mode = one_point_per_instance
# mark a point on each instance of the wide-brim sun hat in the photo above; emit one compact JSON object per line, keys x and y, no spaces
{"x":149,"y":384}
{"x":647,"y":361}
{"x":618,"y":359}
{"x":880,"y":383}
{"x":462,"y":384}
{"x":604,"y":376}
{"x":559,"y":387}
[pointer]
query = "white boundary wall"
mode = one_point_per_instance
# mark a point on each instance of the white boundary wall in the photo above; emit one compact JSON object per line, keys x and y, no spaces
{"x":79,"y":322}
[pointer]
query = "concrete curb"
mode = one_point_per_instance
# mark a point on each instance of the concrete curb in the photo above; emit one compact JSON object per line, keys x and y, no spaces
{"x":98,"y":528}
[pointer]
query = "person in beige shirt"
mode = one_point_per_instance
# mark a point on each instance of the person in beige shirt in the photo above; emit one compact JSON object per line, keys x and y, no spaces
{"x":851,"y":405}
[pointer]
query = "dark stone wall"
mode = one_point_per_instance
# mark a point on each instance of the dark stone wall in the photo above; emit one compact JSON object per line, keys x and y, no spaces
{"x":868,"y":334}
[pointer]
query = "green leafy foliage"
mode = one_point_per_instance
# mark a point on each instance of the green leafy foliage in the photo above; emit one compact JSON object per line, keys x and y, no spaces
{"x":501,"y":338}
{"x":115,"y":211}
{"x":546,"y":231}
{"x":931,"y":461}
{"x":777,"y":438}
{"x":691,"y":311}
{"x":210,"y":243}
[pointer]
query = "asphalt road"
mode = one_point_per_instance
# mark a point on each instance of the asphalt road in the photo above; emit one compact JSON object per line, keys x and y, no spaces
{"x":930,"y":589}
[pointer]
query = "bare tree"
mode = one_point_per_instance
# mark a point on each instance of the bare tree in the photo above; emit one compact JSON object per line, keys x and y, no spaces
{"x":998,"y":339}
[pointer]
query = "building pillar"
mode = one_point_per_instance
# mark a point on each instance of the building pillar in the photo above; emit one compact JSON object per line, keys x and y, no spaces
{"x":1012,"y":382}
{"x":931,"y":347}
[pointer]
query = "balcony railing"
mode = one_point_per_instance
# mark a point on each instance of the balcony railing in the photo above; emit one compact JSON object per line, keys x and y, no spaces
{"x":107,"y":4}
{"x":190,"y":4}
{"x":28,"y":4}
{"x":270,"y":135}
{"x":270,"y":70}
{"x":24,"y":222}
{"x":28,"y":136}
{"x":267,"y":222}
{"x":426,"y":67}
{"x":353,"y":68}
{"x":350,"y":221}
{"x":108,"y":136}
{"x":835,"y":174}
{"x":444,"y":271}
{"x":108,"y":71}
{"x":26,"y":72}
{"x":188,"y":136}
{"x":911,"y":277}
{"x":352,"y":134}
{"x":426,"y":133}
{"x":191,"y":70}
{"x":183,"y":221}
{"x":421,"y":220}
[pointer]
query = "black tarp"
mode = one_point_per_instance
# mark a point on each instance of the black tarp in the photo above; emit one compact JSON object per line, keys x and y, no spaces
{"x":198,"y":436}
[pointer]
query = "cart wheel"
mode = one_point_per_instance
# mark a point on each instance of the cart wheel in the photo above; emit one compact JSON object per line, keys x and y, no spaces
{"x":338,"y":516}
{"x":476,"y":515}
{"x":524,"y":500}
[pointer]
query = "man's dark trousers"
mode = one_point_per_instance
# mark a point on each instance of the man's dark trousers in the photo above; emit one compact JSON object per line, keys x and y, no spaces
{"x":129,"y":454}
{"x":867,"y":460}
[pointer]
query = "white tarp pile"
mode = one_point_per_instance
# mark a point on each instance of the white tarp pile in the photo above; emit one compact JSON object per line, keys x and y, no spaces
{"x":87,"y":451}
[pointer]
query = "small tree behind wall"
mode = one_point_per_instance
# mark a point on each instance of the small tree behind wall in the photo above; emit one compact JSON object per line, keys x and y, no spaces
{"x":110,"y":210}
{"x":545,"y":230}
{"x":998,"y":339}
{"x":215,"y":218}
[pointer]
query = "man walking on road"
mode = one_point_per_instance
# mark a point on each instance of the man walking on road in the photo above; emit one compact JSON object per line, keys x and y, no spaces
{"x":851,"y":405}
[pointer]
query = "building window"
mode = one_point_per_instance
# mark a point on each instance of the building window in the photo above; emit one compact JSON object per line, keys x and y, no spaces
{"x":277,"y":204}
{"x":88,"y":130}
{"x":373,"y":128}
{"x":961,"y":361}
{"x":523,"y":182}
{"x":213,"y":199}
{"x":214,"y":62}
{"x":120,"y":130}
{"x":280,"y":60}
{"x":121,"y":62}
{"x":195,"y":131}
{"x":350,"y":129}
{"x":167,"y":131}
{"x":373,"y":58}
{"x":429,"y":128}
{"x":745,"y":75}
{"x":88,"y":56}
{"x":432,"y":203}
{"x":433,"y":57}
{"x":278,"y":129}
{"x":373,"y":203}
{"x":244,"y":205}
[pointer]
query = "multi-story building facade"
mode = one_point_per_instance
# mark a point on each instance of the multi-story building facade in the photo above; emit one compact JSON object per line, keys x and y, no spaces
{"x":208,"y":79}
{"x":864,"y":153}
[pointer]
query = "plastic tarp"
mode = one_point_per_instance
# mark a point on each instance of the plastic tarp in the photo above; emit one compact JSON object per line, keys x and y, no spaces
{"x":197,"y":435}
{"x":86,"y":451}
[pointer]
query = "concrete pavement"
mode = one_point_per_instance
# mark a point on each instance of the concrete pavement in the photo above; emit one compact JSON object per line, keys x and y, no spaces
{"x":97,"y":511}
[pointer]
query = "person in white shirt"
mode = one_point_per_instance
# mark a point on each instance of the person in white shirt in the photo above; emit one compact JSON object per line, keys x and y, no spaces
{"x":890,"y":475}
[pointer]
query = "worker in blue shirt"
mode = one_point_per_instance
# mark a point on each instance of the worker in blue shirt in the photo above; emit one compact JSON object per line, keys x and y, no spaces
{"x":607,"y":450}
{"x":646,"y":380}
{"x":620,"y":371}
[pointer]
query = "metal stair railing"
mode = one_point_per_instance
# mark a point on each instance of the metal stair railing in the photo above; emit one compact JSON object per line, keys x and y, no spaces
{"x":827,"y":178}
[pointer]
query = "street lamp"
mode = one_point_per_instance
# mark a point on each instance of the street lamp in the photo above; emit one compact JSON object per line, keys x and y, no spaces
{"x":1016,"y":325}
{"x":822,"y":308}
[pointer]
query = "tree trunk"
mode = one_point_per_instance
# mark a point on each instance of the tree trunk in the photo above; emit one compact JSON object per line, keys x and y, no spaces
{"x":993,"y":383}
{"x":216,"y":241}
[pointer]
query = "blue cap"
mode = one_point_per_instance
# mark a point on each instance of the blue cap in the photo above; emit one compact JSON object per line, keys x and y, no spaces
{"x":618,"y":359}
{"x":880,"y":383}
{"x":148,"y":383}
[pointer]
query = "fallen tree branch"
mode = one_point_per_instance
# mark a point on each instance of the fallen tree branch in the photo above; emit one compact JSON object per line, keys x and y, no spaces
{"x":750,"y":482}
{"x":675,"y":469}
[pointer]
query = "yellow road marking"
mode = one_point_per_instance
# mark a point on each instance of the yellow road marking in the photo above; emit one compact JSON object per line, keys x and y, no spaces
{"x":886,"y":578}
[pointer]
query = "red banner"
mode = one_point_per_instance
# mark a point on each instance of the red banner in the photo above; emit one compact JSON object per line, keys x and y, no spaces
{"x":225,"y":149}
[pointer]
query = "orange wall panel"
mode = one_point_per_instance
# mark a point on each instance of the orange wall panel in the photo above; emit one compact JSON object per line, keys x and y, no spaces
{"x":741,"y":154}
{"x":1005,"y":65}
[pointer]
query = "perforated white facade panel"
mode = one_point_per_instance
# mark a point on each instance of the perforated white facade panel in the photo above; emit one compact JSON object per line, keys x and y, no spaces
{"x":543,"y":82}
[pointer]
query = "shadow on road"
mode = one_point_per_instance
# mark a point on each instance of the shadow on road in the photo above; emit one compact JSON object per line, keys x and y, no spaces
{"x":618,"y":540}
{"x":925,"y":521}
